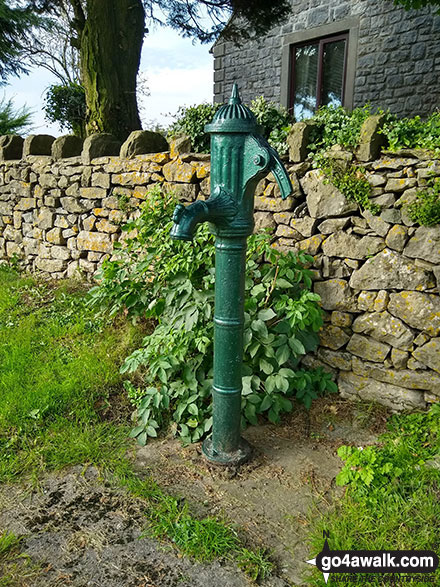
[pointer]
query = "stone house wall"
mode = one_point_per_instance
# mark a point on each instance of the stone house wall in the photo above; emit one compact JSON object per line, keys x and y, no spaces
{"x":378,"y":276}
{"x":394,"y":55}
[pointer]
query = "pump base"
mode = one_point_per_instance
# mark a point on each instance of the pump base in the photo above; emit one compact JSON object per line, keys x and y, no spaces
{"x":227,"y":459}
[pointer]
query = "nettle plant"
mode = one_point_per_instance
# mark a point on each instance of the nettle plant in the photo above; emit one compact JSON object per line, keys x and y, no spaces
{"x":172,"y":283}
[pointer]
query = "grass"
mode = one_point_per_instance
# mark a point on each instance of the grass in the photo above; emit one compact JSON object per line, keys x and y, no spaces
{"x":62,"y":403}
{"x":392,"y":500}
{"x":13,"y":565}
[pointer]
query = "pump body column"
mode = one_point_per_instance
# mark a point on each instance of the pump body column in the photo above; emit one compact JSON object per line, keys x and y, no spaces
{"x":226,"y":445}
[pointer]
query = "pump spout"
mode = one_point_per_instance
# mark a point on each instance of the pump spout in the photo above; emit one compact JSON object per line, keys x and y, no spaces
{"x":218,"y":209}
{"x":281,"y":175}
{"x":186,"y":219}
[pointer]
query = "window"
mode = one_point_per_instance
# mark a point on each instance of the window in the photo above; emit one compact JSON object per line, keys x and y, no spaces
{"x":317,"y":74}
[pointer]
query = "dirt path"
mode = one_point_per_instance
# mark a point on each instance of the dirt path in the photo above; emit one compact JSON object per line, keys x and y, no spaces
{"x":83,"y":532}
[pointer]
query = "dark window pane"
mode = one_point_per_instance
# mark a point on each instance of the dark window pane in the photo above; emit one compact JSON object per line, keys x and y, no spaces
{"x":306,"y":76}
{"x":333,"y":73}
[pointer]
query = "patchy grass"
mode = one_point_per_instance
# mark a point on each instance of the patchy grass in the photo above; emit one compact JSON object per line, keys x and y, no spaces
{"x":14,"y":566}
{"x":392,"y":500}
{"x":62,"y":403}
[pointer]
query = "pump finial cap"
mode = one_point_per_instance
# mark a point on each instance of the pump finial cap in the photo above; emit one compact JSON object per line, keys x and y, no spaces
{"x":235,"y":95}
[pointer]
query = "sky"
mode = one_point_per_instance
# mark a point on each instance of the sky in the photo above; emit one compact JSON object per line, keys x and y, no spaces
{"x":177,"y":73}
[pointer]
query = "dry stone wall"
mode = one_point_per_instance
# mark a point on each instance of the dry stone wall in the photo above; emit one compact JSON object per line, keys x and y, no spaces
{"x":378,"y":276}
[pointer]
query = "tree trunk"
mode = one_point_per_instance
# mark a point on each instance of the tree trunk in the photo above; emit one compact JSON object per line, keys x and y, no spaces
{"x":111,"y":44}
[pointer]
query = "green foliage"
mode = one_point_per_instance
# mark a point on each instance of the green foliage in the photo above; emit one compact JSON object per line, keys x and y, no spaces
{"x":66,"y":105}
{"x":410,"y":442}
{"x":337,"y":126}
{"x":275,"y":122}
{"x":391,"y":500}
{"x":413,"y":133}
{"x":172,"y":283}
{"x":191,"y":121}
{"x":350,"y":181}
{"x":417,"y":4}
{"x":426,"y":209}
{"x":13,"y":121}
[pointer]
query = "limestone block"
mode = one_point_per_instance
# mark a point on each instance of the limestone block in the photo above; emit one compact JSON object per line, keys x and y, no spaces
{"x":424,"y":380}
{"x":45,"y":218}
{"x":105,"y":226}
{"x":333,"y":337}
{"x":419,"y":310}
{"x":101,"y":180}
{"x":13,"y":249}
{"x":370,"y":138}
{"x":67,"y":146}
{"x":384,"y":327}
{"x":94,"y":241}
{"x":379,"y":226}
{"x":323,"y":199}
{"x":368,"y":348}
{"x":389,"y":270}
{"x":99,"y":145}
{"x":61,"y":222}
{"x":187,"y":192}
{"x":265,"y":204}
{"x":425,"y":244}
{"x":55,"y":236}
{"x":311,"y":245}
{"x":399,"y":358}
{"x":305,"y":226}
{"x":381,"y":301}
{"x":131,"y":178}
{"x":38,"y":145}
{"x":62,"y":253}
{"x":72,"y":205}
{"x":178,"y":171}
{"x":11,"y":147}
{"x":93,"y":193}
{"x":429,"y":354}
{"x":336,"y":295}
{"x":336,"y":359}
{"x":73,"y":270}
{"x":287,"y":232}
{"x":342,"y":319}
{"x":341,"y":244}
{"x":264,"y":220}
{"x":397,"y":237}
{"x":143,"y":141}
{"x":400,"y":184}
{"x":26,"y":204}
{"x":50,"y":265}
{"x":298,"y":140}
{"x":179,"y":146}
{"x":366,"y":389}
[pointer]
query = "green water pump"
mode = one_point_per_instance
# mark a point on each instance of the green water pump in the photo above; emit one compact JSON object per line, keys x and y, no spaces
{"x":240,"y":158}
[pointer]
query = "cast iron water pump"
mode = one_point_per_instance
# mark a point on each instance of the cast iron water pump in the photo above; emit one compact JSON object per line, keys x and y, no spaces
{"x":240,"y":158}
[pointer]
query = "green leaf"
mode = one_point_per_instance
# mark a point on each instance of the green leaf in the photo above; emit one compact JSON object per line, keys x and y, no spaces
{"x":136,"y":431}
{"x":193,"y":409}
{"x":265,"y":367}
{"x":142,"y":439}
{"x":151,"y":431}
{"x":266,"y":403}
{"x":283,"y":354}
{"x":266,"y":314}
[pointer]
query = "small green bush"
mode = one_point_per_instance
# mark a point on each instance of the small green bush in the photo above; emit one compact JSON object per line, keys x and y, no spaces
{"x":66,"y":105}
{"x":426,"y":209}
{"x":191,"y":121}
{"x":275,"y":122}
{"x":172,"y":283}
{"x":413,"y":133}
{"x":337,"y":126}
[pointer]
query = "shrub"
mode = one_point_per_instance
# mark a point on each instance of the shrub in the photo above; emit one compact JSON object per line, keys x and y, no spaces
{"x":13,"y":121}
{"x":172,"y":283}
{"x":66,"y":105}
{"x":337,"y":126}
{"x":426,"y":209}
{"x":191,"y":122}
{"x":413,"y":133}
{"x":275,"y":122}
